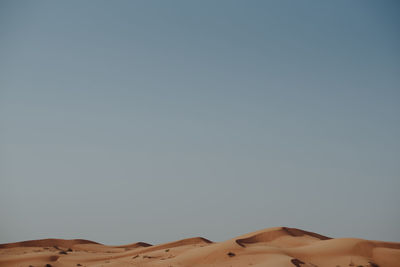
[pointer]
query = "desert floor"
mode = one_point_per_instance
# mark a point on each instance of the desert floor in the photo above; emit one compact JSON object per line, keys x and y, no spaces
{"x":279,"y":246}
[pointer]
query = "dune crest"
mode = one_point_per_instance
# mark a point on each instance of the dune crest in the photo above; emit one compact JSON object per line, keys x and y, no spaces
{"x":279,"y":246}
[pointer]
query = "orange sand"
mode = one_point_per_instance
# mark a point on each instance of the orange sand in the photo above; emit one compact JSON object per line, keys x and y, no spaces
{"x":282,"y":246}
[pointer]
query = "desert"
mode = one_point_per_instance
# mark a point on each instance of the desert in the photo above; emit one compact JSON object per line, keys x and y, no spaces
{"x":205,"y":133}
{"x":279,"y":246}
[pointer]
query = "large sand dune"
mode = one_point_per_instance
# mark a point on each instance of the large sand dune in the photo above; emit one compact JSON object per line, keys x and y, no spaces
{"x":281,"y":246}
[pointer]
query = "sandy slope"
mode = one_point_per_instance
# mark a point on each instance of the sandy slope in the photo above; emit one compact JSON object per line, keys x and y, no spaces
{"x":279,"y":246}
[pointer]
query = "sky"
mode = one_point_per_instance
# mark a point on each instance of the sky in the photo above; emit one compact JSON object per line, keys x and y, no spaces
{"x":125,"y":121}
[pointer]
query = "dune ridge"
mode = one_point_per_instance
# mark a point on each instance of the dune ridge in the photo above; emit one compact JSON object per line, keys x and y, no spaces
{"x":278,"y":246}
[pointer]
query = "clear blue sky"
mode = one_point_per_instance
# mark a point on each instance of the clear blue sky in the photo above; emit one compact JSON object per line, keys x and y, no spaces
{"x":126,"y":121}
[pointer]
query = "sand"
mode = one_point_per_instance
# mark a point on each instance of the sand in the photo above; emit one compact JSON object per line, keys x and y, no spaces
{"x":280,"y":246}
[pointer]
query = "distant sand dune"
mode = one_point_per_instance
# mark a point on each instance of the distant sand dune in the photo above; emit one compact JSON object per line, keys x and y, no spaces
{"x":135,"y":245}
{"x":47,"y":243}
{"x":279,"y":246}
{"x":184,"y":242}
{"x":270,"y":235}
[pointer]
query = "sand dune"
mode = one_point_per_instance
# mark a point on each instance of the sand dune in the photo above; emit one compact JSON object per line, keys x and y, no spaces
{"x":51,"y":242}
{"x":280,"y":246}
{"x":135,"y":245}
